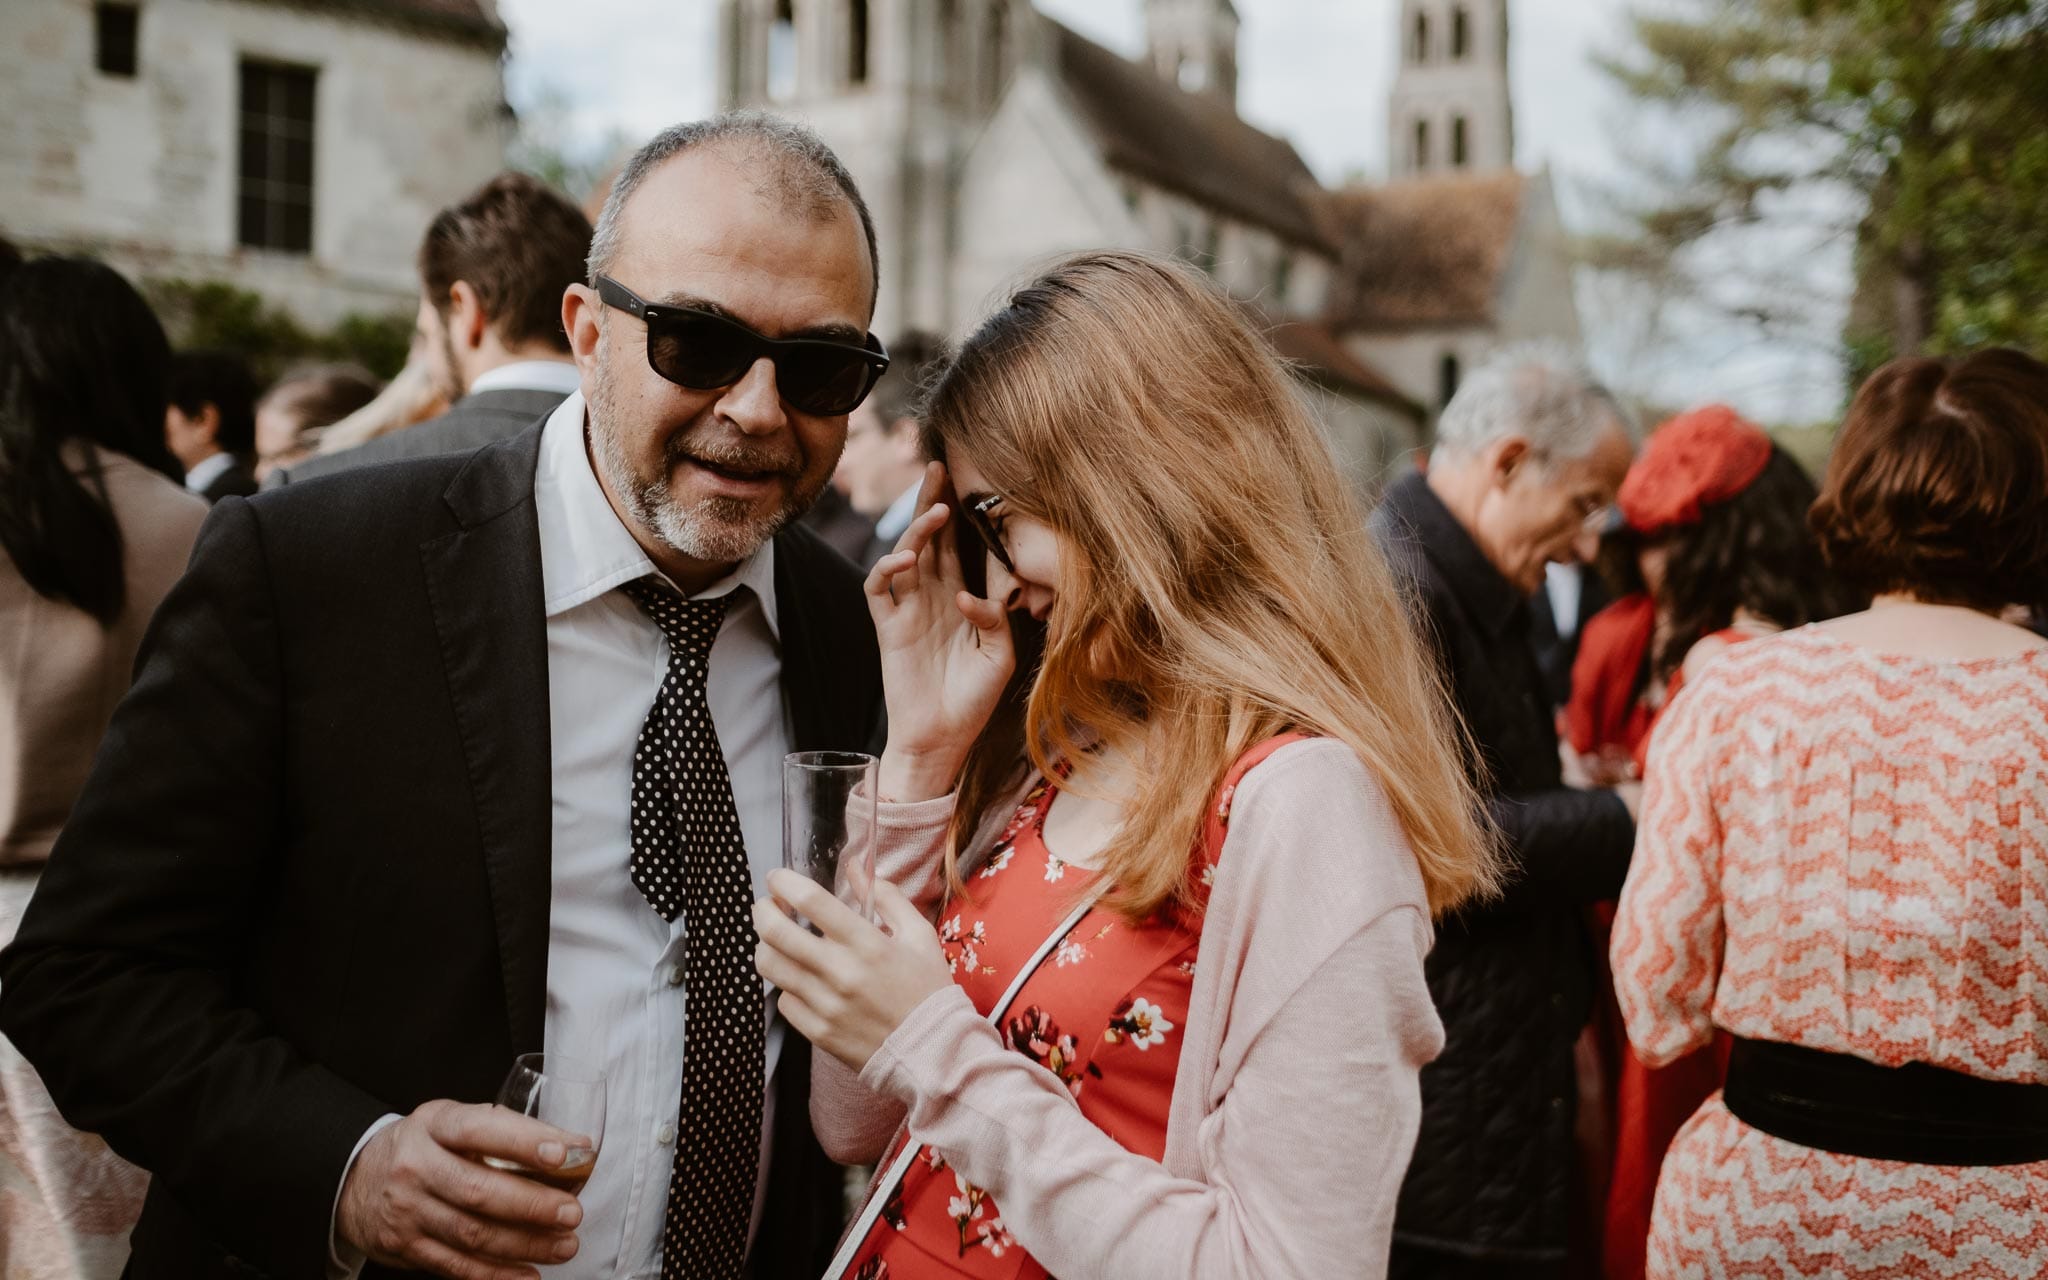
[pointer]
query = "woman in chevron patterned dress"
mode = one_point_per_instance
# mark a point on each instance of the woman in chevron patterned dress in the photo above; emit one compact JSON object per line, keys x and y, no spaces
{"x":1843,"y":862}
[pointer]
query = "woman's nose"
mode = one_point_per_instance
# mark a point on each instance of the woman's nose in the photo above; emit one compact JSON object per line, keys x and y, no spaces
{"x":1003,"y":585}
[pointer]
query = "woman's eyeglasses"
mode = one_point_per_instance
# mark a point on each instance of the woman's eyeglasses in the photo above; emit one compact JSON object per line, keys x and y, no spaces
{"x":975,"y":510}
{"x":703,"y":351}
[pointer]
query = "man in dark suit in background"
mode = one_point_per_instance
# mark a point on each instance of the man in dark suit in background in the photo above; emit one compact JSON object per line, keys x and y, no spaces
{"x":1529,"y":453}
{"x":210,"y":422}
{"x":492,"y":271}
{"x":433,"y":764}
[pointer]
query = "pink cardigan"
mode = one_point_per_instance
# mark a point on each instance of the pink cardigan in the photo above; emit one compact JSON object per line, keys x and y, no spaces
{"x":1296,"y":1106}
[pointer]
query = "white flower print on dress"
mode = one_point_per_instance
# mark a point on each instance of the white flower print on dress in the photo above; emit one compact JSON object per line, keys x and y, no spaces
{"x":995,"y":1237}
{"x":1143,"y":1022}
{"x":1068,"y":952}
{"x":998,"y":862}
{"x":1054,"y":868}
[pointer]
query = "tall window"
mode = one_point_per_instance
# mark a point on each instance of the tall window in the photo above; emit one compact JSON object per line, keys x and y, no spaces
{"x":276,"y":169}
{"x":782,"y":53}
{"x":1447,"y":379}
{"x":946,"y":75}
{"x":114,"y":32}
{"x":1457,"y":142}
{"x":1461,"y":34}
{"x":857,"y":43}
{"x":1421,"y":145}
{"x":998,"y":50}
{"x":1420,"y":50}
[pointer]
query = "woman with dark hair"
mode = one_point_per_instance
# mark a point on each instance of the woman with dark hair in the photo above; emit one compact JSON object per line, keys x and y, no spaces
{"x":1842,"y":864}
{"x":95,"y":530}
{"x":1713,"y":550}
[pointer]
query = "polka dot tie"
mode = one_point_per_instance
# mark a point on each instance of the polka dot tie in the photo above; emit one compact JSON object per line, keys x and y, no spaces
{"x":690,"y":859}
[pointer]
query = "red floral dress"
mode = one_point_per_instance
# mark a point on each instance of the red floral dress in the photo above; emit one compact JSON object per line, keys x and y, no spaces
{"x":1104,"y":1013}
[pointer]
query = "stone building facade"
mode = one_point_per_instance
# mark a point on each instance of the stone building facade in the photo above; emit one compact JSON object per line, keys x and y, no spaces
{"x":990,"y":139}
{"x":292,"y":147}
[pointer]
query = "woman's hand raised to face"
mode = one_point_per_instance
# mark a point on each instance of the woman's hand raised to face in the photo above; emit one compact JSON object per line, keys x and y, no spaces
{"x":946,"y":653}
{"x":847,"y":990}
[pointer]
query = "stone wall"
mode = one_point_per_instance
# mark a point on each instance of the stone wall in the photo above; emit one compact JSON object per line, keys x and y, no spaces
{"x":143,"y":171}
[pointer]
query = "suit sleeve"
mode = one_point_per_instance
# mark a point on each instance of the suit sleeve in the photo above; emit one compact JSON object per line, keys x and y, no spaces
{"x":120,"y":987}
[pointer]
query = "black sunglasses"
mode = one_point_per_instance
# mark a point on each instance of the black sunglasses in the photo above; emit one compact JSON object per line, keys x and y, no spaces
{"x":975,"y":511}
{"x":703,"y":351}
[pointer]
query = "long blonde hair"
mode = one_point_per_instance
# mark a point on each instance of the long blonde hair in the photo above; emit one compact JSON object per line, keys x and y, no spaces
{"x":1225,"y":588}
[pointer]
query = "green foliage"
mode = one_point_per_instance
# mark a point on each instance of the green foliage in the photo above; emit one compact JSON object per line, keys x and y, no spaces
{"x":1920,"y":127}
{"x":208,"y":313}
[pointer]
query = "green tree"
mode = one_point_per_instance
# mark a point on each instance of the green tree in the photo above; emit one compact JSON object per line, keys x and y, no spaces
{"x":1919,"y":128}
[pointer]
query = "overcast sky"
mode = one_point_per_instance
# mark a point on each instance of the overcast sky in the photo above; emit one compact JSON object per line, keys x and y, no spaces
{"x":1315,"y":71}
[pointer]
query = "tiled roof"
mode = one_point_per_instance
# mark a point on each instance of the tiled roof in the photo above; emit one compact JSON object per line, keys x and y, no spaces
{"x":1423,"y":252}
{"x":474,"y":19}
{"x":1312,"y":345}
{"x":1186,"y":142}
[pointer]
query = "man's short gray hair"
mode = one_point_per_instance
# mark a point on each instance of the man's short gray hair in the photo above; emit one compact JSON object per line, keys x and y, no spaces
{"x":799,"y":170}
{"x":1539,"y":391}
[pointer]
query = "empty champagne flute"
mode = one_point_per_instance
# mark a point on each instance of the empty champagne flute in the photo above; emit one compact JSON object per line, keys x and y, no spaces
{"x":828,"y":822}
{"x":563,"y":1092}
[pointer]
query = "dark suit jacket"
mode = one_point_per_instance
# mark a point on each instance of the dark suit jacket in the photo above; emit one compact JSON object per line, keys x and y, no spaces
{"x":1512,"y":978}
{"x":470,"y":423}
{"x":308,"y":881}
{"x":236,"y":482}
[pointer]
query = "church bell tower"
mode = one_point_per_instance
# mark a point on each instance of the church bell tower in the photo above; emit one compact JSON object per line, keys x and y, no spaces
{"x":1193,"y":43}
{"x":1450,"y":111}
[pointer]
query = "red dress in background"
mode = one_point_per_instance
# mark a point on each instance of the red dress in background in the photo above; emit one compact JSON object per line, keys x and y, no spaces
{"x":1651,"y":1104}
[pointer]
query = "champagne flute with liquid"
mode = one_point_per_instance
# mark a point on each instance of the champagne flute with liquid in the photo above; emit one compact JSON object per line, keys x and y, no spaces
{"x":566,"y":1093}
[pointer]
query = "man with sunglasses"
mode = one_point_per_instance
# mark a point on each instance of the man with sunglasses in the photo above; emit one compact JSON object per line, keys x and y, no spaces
{"x":432,"y":764}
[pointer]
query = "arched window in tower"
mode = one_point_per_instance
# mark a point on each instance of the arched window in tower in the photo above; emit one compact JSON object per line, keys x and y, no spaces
{"x":1458,"y":154}
{"x":857,"y":42}
{"x":1419,"y":50}
{"x":1461,"y":34}
{"x":782,"y":52}
{"x":1419,"y":162}
{"x":1446,"y":379}
{"x":944,"y":75}
{"x":997,"y":74}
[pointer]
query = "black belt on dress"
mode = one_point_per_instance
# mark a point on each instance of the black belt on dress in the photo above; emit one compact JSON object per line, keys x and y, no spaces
{"x":1916,"y":1113}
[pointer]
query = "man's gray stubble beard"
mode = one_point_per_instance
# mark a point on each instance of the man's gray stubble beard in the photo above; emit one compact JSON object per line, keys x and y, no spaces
{"x":717,"y":530}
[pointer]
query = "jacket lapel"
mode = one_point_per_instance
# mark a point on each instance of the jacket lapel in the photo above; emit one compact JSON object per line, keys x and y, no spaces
{"x":484,"y":584}
{"x":811,"y":720}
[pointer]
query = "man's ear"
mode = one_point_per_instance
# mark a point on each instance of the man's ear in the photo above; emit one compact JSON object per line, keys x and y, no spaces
{"x":580,"y":309}
{"x":1507,"y":457}
{"x":467,"y":324}
{"x":207,"y":423}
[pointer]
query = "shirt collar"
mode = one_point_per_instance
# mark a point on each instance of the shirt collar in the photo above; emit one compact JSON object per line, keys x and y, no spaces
{"x":586,"y":550}
{"x":1484,"y":590}
{"x":209,"y":469}
{"x":559,"y":376}
{"x":899,"y":515}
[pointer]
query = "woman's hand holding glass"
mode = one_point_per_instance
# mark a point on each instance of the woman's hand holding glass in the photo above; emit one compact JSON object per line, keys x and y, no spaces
{"x":848,"y":987}
{"x":946,"y":653}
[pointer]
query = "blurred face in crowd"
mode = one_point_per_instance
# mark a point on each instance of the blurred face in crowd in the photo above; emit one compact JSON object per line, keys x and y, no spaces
{"x":282,"y":440}
{"x":1532,"y":510}
{"x":1035,"y":550}
{"x":433,"y":345}
{"x":190,"y":439}
{"x":708,"y":476}
{"x":881,"y":460}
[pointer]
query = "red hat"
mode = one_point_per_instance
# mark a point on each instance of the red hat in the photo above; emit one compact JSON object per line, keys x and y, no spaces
{"x":1694,"y":461}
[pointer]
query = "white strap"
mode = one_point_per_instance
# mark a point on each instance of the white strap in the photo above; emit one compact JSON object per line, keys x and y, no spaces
{"x":878,"y":1199}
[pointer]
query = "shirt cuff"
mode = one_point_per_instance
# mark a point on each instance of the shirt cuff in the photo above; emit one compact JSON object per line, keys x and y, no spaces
{"x":941,"y":1024}
{"x":344,"y":1260}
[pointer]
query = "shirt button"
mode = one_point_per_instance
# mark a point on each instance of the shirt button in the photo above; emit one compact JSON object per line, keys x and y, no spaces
{"x":665,"y":1135}
{"x":675,"y":975}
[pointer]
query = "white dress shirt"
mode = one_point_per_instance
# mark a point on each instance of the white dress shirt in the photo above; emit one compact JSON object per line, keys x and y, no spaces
{"x":615,"y":967}
{"x":1563,"y":585}
{"x":208,"y":470}
{"x":560,"y":376}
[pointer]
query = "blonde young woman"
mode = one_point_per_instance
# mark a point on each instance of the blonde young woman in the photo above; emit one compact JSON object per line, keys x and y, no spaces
{"x":1231,"y":758}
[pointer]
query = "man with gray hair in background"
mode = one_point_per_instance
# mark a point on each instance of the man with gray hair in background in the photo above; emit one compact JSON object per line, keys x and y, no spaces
{"x":1529,"y":454}
{"x":433,"y":764}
